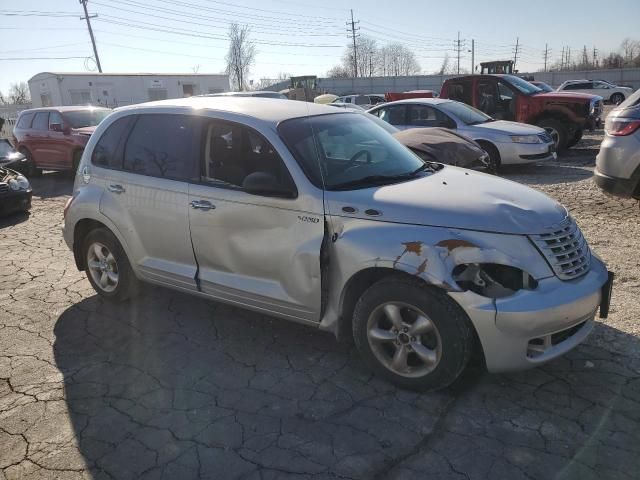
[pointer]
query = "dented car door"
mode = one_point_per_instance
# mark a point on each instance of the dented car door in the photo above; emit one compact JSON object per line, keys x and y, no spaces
{"x":256,"y":250}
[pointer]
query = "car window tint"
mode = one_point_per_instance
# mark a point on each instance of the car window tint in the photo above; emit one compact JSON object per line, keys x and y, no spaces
{"x":41,"y":121}
{"x":105,"y":153}
{"x":422,"y":116}
{"x":362,"y":100}
{"x":161,"y":146}
{"x":232,"y":152}
{"x":461,"y":91}
{"x":394,"y":115}
{"x":55,"y":117}
{"x":25,"y":120}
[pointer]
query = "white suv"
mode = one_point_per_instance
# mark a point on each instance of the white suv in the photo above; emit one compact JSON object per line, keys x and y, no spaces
{"x":606,"y":90}
{"x":318,"y":215}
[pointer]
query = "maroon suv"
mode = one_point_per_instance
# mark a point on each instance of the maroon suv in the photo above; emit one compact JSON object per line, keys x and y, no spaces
{"x":53,"y":138}
{"x":507,"y":97}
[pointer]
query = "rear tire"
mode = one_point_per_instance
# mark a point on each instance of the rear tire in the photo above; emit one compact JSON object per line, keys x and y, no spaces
{"x":617,"y":98}
{"x":557,"y":130}
{"x":412,"y":335}
{"x":107,"y":266}
{"x":495,"y":162}
{"x":32,"y":170}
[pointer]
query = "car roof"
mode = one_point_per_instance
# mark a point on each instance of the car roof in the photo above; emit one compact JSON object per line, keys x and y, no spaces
{"x":272,"y":110}
{"x":255,"y":93}
{"x":67,"y":108}
{"x":428,"y":101}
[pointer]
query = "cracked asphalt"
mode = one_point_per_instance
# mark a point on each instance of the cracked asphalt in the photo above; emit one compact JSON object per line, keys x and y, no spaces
{"x":171,"y":386}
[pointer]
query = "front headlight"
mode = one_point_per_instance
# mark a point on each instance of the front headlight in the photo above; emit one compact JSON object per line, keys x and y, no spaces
{"x":19,"y":183}
{"x":526,"y":139}
{"x":492,"y":279}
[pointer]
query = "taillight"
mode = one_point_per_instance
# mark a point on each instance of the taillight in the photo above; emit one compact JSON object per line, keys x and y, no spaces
{"x":621,"y":127}
{"x":67,"y":205}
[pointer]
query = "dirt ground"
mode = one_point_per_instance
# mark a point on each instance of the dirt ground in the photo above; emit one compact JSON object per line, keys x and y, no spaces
{"x":170,"y":386}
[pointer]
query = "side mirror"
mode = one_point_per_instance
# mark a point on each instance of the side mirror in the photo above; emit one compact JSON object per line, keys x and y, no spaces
{"x":265,"y":184}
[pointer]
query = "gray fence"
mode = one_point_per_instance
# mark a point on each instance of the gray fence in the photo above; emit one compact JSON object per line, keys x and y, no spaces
{"x":344,"y":86}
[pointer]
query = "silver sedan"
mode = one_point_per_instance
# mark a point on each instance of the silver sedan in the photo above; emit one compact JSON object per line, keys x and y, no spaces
{"x":507,"y":143}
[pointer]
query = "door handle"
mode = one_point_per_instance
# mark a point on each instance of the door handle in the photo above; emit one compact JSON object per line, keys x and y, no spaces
{"x":116,"y":188}
{"x":202,"y":205}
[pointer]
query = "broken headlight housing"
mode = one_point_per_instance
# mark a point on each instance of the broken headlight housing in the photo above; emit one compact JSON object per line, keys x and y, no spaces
{"x":492,"y":279}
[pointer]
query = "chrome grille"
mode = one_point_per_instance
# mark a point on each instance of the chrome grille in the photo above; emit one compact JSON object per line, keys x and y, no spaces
{"x":566,"y":250}
{"x":4,"y":188}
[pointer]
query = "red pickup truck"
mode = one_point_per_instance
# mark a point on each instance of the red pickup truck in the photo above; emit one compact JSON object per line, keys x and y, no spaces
{"x":508,"y":97}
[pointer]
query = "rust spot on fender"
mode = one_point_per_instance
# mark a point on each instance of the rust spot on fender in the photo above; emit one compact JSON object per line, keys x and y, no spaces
{"x":409,"y":247}
{"x":422,"y":267}
{"x":454,"y":243}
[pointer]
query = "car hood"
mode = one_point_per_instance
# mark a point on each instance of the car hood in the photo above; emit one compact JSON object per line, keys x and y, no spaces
{"x":11,"y":157}
{"x":570,"y":96}
{"x":455,"y":198}
{"x":509,"y":128}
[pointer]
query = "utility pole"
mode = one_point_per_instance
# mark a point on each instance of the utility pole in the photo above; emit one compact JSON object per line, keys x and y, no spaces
{"x":568,"y":58}
{"x":458,"y":48}
{"x":585,"y":58}
{"x":353,"y":35}
{"x":546,"y":55}
{"x":473,"y":56}
{"x":515,"y":53}
{"x":595,"y":57}
{"x":562,"y":60}
{"x":87,"y":17}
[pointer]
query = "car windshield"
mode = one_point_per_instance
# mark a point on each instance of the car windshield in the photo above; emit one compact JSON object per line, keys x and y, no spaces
{"x":5,"y":148}
{"x":465,"y":113}
{"x":522,"y":85}
{"x":378,"y":121}
{"x":545,"y":87}
{"x":86,"y":118}
{"x":348,"y":151}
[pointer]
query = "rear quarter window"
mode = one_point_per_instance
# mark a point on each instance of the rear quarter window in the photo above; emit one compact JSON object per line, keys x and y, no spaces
{"x":25,"y":120}
{"x":108,"y":152}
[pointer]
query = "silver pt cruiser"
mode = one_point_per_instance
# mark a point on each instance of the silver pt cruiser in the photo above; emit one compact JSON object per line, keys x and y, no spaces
{"x":317,"y":215}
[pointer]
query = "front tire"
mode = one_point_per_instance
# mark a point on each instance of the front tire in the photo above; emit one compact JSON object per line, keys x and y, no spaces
{"x":32,"y":170}
{"x":107,"y":266}
{"x":617,"y":98}
{"x":557,"y":131}
{"x":412,"y":335}
{"x":576,"y":138}
{"x":495,"y":162}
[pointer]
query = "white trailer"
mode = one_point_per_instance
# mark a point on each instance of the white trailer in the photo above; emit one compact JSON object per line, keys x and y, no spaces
{"x":118,"y":89}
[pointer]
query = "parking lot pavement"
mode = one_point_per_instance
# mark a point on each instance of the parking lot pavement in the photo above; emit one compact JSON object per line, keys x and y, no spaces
{"x":171,"y":386}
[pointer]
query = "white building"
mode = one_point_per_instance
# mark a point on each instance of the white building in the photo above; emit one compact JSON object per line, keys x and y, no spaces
{"x":117,"y":89}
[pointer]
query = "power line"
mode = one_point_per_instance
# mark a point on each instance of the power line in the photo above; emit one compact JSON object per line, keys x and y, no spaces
{"x":41,"y":58}
{"x":88,"y":18}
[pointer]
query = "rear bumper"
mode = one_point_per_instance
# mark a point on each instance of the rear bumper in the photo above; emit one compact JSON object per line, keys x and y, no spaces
{"x":533,"y":327}
{"x":620,"y":187}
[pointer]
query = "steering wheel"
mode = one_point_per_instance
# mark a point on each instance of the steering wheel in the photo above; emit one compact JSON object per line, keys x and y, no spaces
{"x":358,"y":154}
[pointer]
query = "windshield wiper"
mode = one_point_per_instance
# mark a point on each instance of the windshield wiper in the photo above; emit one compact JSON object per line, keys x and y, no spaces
{"x":373,"y":180}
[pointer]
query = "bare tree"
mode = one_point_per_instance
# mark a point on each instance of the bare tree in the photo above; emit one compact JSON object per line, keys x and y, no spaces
{"x":2,"y":100}
{"x":241,"y":55}
{"x":367,"y":49}
{"x":19,"y":93}
{"x":629,"y":49}
{"x":196,"y":68}
{"x":444,"y":68}
{"x":340,"y":71}
{"x":400,"y":60}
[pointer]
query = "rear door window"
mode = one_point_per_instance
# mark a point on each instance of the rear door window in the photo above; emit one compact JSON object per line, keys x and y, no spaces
{"x":461,"y":90}
{"x":25,"y":120}
{"x":55,"y":118}
{"x":425,"y":116}
{"x":395,"y":115}
{"x":162,"y":145}
{"x":108,"y":152}
{"x":41,"y":121}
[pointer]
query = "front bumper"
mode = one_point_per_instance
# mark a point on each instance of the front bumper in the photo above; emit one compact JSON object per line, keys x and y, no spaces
{"x":557,"y":315}
{"x":12,"y":202}
{"x":522,"y":153}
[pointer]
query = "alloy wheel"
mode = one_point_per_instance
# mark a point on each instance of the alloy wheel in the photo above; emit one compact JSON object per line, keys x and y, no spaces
{"x":404,"y":339}
{"x":102,"y":267}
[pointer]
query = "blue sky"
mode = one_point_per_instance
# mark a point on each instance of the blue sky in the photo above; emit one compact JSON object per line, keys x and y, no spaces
{"x":295,"y":36}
